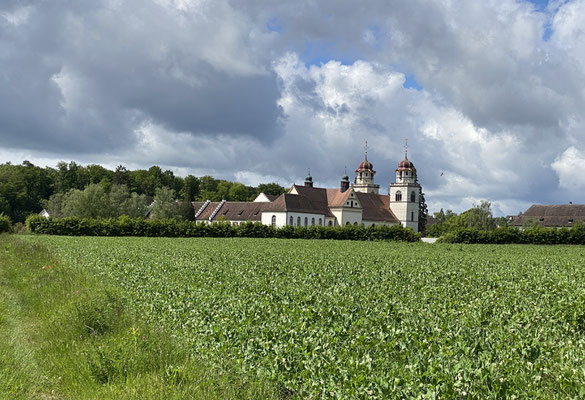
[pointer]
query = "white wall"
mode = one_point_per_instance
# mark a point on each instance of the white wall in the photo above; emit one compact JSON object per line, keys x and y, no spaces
{"x":283,"y":218}
{"x":345,"y":215}
{"x":405,"y":210}
{"x":261,"y":198}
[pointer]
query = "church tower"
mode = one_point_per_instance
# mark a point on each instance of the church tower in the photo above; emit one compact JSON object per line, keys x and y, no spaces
{"x":405,"y":194}
{"x":364,"y":177}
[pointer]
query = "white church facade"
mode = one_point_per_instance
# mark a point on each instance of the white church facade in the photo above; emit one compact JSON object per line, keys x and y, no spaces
{"x":354,"y":203}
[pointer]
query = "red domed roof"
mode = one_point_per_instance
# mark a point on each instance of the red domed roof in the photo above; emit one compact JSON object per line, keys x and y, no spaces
{"x":366,"y":166}
{"x":406,"y":164}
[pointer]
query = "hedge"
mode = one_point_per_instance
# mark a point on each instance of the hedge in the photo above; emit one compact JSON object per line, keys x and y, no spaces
{"x":125,"y":226}
{"x":509,"y":235}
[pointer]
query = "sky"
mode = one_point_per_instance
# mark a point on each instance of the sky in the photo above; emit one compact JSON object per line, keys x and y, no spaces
{"x":490,"y":94}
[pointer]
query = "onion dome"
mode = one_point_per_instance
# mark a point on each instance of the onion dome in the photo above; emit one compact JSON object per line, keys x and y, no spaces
{"x":309,"y":180}
{"x":406,"y":164}
{"x":365,"y":166}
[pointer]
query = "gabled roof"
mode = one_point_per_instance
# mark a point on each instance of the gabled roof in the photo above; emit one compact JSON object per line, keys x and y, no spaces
{"x":265,"y":197}
{"x":337,"y":198}
{"x":299,"y":203}
{"x":376,"y":207}
{"x":552,"y":215}
{"x":232,"y":210}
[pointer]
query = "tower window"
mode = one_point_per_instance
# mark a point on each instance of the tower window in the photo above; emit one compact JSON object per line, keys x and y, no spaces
{"x":399,"y":196}
{"x":412,"y":197}
{"x":412,"y":215}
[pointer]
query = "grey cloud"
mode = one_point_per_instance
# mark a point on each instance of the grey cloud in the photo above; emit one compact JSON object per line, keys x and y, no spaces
{"x":126,"y":63}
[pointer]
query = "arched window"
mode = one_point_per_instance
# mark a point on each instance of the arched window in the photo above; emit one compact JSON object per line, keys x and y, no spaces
{"x":412,"y":215}
{"x":290,"y":220}
{"x":412,"y":197}
{"x":355,"y":223}
{"x":298,"y":221}
{"x":273,"y":220}
{"x":330,"y":223}
{"x":312,"y":221}
{"x":373,"y":225}
{"x":320,"y":222}
{"x":347,"y":224}
{"x":399,"y":196}
{"x":306,"y":221}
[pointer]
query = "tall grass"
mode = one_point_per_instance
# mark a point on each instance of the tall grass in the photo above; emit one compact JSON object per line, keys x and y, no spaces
{"x":67,"y":336}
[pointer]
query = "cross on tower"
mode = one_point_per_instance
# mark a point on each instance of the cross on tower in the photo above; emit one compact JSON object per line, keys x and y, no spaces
{"x":366,"y":148}
{"x":405,"y":148}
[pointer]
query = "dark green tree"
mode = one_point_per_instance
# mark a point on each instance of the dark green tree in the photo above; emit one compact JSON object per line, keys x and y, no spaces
{"x":422,"y":213}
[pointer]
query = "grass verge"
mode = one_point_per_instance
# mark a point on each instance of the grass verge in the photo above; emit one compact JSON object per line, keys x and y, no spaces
{"x":67,"y":336}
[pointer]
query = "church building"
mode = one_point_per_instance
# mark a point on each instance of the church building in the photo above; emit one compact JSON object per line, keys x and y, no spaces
{"x":350,"y":204}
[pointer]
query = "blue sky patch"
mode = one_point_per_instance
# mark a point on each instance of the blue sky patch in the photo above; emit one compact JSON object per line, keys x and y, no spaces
{"x":322,"y":51}
{"x":274,"y":25}
{"x":411,"y":83}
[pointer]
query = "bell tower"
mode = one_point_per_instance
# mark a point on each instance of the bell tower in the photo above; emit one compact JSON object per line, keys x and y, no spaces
{"x":364,"y":176}
{"x":405,"y":193}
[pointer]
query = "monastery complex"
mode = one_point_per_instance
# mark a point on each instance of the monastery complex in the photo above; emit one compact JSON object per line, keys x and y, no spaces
{"x":350,"y":204}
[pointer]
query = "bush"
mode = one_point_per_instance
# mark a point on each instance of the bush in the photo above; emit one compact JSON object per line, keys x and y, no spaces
{"x":5,"y":223}
{"x":126,"y":226}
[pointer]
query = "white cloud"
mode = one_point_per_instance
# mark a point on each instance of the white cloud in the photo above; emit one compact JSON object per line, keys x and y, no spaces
{"x":205,"y":86}
{"x":569,"y":168}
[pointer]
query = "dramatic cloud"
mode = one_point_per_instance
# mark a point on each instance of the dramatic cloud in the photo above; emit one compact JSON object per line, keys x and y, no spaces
{"x":489,"y":94}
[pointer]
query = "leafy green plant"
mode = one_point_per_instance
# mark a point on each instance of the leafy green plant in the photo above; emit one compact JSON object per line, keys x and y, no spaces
{"x":354,"y":319}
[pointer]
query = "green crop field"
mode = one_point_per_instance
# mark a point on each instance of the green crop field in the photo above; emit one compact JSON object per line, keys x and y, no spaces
{"x":360,"y":319}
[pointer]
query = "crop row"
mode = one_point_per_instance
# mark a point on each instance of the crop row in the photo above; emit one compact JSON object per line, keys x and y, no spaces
{"x":362,"y":319}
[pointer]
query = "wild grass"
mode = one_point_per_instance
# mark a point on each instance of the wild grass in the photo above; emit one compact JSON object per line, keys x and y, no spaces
{"x":66,"y":335}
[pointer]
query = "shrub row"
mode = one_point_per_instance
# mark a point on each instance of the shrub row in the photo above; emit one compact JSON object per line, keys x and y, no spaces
{"x":508,"y":235}
{"x":125,"y":226}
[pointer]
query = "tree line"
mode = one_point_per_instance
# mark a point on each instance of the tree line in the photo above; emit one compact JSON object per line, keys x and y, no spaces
{"x":92,"y":191}
{"x":479,"y":217}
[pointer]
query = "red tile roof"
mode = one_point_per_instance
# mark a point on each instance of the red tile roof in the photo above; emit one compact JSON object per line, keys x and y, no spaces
{"x":299,"y":203}
{"x":376,"y":207}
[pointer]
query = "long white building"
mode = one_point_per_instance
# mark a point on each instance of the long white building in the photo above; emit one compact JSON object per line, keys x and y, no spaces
{"x":350,"y":204}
